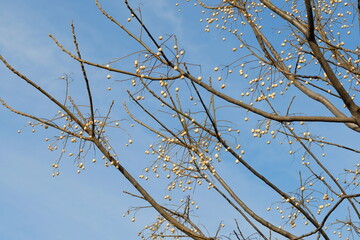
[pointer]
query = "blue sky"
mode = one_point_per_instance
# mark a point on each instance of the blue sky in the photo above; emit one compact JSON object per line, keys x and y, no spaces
{"x":35,"y":205}
{"x":90,"y":205}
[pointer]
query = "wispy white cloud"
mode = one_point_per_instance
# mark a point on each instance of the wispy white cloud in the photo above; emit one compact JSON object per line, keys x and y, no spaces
{"x":23,"y":39}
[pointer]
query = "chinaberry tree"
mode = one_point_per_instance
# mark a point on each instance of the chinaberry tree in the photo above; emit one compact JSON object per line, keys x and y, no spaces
{"x":292,"y":76}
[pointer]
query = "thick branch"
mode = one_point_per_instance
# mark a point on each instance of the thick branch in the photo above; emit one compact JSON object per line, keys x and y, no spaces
{"x":147,"y":196}
{"x":350,"y":104}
